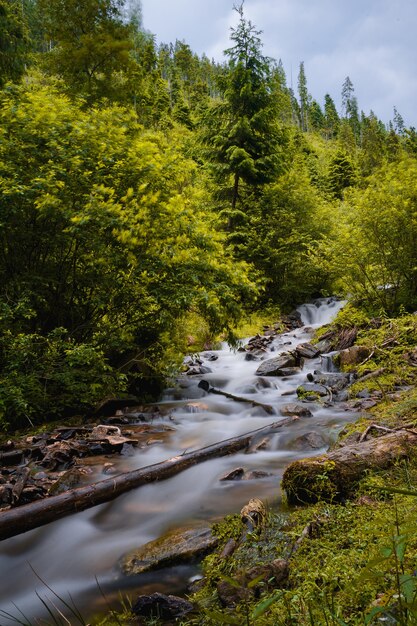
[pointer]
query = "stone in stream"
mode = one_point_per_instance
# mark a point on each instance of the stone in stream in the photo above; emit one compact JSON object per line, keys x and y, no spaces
{"x":239,"y":473}
{"x":272,"y":367}
{"x":293,"y":408}
{"x":311,"y":391}
{"x":178,"y":546}
{"x":309,"y":441}
{"x":307,"y":351}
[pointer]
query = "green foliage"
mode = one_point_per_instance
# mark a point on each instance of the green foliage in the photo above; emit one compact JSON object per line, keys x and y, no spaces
{"x":378,"y":244}
{"x":90,"y":42}
{"x":242,"y":134}
{"x":13,"y":41}
{"x":104,"y":232}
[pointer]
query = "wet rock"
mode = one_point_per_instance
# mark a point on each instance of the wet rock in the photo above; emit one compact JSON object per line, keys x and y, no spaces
{"x":272,"y":367}
{"x":255,"y":474}
{"x":365,"y":393}
{"x":68,"y":480}
{"x":161,"y":606}
{"x":178,"y":546}
{"x":292,"y":320}
{"x":198,"y":369}
{"x":101,"y":431}
{"x":288,"y":371}
{"x":235,"y":474}
{"x":312,"y":390}
{"x":307,"y":351}
{"x":309,"y":441}
{"x":334,"y":381}
{"x":260,"y":444}
{"x":293,"y":408}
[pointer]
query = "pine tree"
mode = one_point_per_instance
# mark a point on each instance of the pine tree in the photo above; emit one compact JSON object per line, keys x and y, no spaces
{"x":331,"y":117}
{"x":305,"y":98}
{"x":242,"y":133}
{"x":347,"y":94}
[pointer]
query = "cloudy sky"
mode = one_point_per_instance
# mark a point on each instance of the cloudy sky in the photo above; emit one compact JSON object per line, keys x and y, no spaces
{"x":372,"y":41}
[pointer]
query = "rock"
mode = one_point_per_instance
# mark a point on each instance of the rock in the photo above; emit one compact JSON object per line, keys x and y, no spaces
{"x":311,"y":390}
{"x":253,"y":514}
{"x":353,"y":355}
{"x":307,"y":351}
{"x":273,"y":575}
{"x":178,"y":546}
{"x":102,"y":430}
{"x":158,"y":605}
{"x":255,"y":474}
{"x":272,"y":366}
{"x":288,"y":371}
{"x":235,"y":474}
{"x":365,"y":393}
{"x":292,"y":408}
{"x":292,"y":320}
{"x":334,"y":381}
{"x":309,"y":441}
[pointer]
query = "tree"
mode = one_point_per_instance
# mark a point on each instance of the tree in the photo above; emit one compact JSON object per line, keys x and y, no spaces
{"x":379,"y":247}
{"x":90,"y":42}
{"x":305,"y":98}
{"x":242,"y":133}
{"x":331,"y":117}
{"x":342,"y":173}
{"x":104,"y":245}
{"x":13,"y":41}
{"x":347,"y":95}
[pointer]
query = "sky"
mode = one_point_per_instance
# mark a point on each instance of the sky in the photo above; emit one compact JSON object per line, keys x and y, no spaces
{"x":373,"y":42}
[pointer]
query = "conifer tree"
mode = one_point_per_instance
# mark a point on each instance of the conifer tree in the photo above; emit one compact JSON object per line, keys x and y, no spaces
{"x":242,"y":132}
{"x":13,"y":41}
{"x":304,"y":96}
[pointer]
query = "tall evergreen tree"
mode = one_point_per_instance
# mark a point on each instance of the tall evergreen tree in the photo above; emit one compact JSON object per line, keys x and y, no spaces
{"x":347,"y":95}
{"x":331,"y":117}
{"x":305,"y":98}
{"x":242,"y":133}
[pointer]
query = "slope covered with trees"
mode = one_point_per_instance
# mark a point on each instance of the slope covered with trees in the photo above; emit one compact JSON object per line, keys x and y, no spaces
{"x":141,"y":183}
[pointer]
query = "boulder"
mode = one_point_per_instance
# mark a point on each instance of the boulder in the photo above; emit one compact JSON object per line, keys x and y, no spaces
{"x":312,"y":390}
{"x":294,"y":408}
{"x":353,"y":355}
{"x":307,"y":351}
{"x":179,"y":546}
{"x":272,"y":367}
{"x":309,"y":441}
{"x":158,"y":605}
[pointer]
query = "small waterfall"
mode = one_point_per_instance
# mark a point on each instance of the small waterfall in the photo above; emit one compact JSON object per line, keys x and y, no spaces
{"x":320,"y":312}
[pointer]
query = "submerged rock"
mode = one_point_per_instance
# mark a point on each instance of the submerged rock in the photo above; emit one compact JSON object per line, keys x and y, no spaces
{"x":178,"y":546}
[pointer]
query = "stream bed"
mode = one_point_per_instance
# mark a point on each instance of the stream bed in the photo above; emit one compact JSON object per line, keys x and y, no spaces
{"x":72,"y":554}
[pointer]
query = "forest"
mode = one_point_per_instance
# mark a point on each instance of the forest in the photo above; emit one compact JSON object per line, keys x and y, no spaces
{"x":152,"y":200}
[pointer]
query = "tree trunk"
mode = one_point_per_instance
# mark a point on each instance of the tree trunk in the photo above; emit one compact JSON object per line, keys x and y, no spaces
{"x":26,"y":517}
{"x":335,"y":476}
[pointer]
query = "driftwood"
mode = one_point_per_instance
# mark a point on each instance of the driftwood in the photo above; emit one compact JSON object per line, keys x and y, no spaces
{"x":334,"y":476}
{"x":204,"y":384}
{"x":26,"y":517}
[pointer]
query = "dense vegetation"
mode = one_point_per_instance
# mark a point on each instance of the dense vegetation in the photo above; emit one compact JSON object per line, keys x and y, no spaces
{"x":142,"y":184}
{"x":147,"y":192}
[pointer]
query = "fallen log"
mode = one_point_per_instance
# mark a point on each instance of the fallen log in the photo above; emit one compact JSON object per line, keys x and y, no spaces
{"x":26,"y":517}
{"x":204,"y":384}
{"x":334,"y":476}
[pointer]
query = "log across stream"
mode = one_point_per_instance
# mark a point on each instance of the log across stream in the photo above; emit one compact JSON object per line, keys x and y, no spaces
{"x":70,"y":553}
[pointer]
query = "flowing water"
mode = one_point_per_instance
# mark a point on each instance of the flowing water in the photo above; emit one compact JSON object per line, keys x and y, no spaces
{"x":70,"y":555}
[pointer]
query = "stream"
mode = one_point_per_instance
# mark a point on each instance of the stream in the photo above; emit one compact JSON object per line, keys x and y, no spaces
{"x":72,"y":554}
